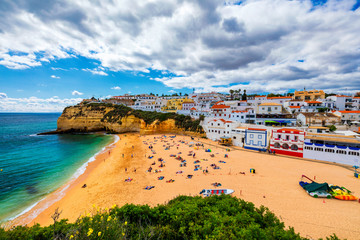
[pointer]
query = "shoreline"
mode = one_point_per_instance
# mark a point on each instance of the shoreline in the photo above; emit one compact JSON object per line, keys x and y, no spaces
{"x":275,"y":184}
{"x":31,"y":212}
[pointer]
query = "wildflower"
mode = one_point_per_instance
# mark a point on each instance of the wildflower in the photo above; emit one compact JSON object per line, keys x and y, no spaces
{"x":109,"y":218}
{"x":99,"y":233}
{"x":94,"y":206}
{"x":90,"y":231}
{"x":123,"y":234}
{"x":125,"y":223}
{"x":106,"y":209}
{"x":71,"y":236}
{"x":114,"y":206}
{"x":88,"y":215}
{"x":101,"y":218}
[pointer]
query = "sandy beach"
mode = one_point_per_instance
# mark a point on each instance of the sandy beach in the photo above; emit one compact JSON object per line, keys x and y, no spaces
{"x":274,"y":185}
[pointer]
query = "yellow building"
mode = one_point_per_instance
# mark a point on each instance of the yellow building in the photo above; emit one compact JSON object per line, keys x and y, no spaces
{"x":309,"y":95}
{"x":173,"y":105}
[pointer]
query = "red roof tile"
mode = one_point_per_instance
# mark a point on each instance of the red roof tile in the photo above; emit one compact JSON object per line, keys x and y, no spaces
{"x":294,"y":106}
{"x":219,"y":106}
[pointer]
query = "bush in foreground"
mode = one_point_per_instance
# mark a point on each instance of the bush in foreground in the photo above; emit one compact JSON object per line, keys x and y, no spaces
{"x":216,"y":217}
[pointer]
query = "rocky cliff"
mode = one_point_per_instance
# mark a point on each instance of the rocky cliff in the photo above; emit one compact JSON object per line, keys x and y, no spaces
{"x":117,"y":119}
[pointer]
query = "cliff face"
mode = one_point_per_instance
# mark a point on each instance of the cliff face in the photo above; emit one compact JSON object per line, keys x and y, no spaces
{"x":91,"y":119}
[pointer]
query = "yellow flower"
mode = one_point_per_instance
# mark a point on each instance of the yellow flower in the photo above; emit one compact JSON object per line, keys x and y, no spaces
{"x":91,"y":219}
{"x":88,"y":215}
{"x":123,"y":234}
{"x":101,"y":218}
{"x":125,"y":223}
{"x":94,"y":206}
{"x":106,"y":209}
{"x":114,"y":206}
{"x":109,"y":218}
{"x":90,"y":231}
{"x":71,"y":236}
{"x":99,"y":233}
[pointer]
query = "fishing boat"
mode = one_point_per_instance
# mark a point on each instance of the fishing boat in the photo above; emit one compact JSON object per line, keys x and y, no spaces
{"x":314,"y":189}
{"x":209,"y":192}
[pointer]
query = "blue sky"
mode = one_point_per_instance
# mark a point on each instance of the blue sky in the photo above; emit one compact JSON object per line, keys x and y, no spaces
{"x":54,"y":53}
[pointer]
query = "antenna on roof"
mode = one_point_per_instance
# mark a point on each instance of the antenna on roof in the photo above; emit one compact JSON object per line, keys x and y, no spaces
{"x":304,"y":88}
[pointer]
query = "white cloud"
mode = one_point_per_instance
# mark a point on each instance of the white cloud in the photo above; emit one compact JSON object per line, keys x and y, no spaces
{"x":203,"y":44}
{"x":34,"y":104}
{"x":76,"y":93}
{"x":172,"y":91}
{"x":3,"y":95}
{"x":116,"y":88}
{"x":53,"y":76}
{"x":96,"y":71}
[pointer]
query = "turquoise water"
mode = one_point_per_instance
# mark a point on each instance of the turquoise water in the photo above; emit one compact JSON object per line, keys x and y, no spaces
{"x":33,"y":166}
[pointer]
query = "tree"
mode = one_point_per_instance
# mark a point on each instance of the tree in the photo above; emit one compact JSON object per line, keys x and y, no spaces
{"x":357,"y":94}
{"x":332,"y":128}
{"x":231,"y":94}
{"x":244,"y":97}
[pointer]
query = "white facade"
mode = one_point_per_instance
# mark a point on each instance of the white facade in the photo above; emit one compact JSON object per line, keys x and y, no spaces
{"x":270,"y":108}
{"x":256,"y":139}
{"x":217,"y":128}
{"x":333,"y":149}
{"x":238,"y":136}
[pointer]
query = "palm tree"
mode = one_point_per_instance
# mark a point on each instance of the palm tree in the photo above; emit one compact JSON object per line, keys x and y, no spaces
{"x":231,"y":94}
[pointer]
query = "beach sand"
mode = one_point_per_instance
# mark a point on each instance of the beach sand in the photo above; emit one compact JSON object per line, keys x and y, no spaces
{"x":274,"y":185}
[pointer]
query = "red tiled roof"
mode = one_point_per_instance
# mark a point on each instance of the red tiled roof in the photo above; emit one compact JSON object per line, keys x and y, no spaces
{"x":313,"y":102}
{"x":192,"y":108}
{"x":342,"y":96}
{"x":224,"y":121}
{"x":294,"y":106}
{"x":257,"y":129}
{"x":349,"y":111}
{"x":278,"y":97}
{"x":288,"y":130}
{"x":220,"y":106}
{"x":238,"y":111}
{"x":260,"y":96}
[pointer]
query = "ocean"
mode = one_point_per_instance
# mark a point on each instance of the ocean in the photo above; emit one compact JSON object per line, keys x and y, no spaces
{"x":32,"y":166}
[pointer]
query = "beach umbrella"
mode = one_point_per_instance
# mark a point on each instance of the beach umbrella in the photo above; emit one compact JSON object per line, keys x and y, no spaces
{"x":355,"y":167}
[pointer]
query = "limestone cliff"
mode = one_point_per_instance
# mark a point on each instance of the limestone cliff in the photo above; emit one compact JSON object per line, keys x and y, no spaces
{"x":107,"y":117}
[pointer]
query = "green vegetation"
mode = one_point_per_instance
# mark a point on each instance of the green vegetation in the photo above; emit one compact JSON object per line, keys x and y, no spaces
{"x":216,"y":217}
{"x":332,"y":128}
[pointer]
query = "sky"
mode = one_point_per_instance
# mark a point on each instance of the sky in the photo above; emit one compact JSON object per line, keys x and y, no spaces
{"x":55,"y":53}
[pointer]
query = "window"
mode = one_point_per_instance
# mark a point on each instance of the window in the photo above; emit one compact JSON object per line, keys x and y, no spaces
{"x":234,"y":137}
{"x":275,"y":108}
{"x":269,"y":109}
{"x":277,"y":145}
{"x":251,"y":135}
{"x":287,"y":137}
{"x":263,"y":108}
{"x":259,"y":136}
{"x":296,"y":138}
{"x":279,"y":136}
{"x":294,"y":147}
{"x":285,"y":146}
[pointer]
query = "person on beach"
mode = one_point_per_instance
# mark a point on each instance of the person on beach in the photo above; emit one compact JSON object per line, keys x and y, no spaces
{"x":123,"y":155}
{"x":125,"y":169}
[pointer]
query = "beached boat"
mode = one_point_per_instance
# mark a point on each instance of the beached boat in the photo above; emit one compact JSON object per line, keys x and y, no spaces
{"x":342,"y":193}
{"x":314,"y":189}
{"x":209,"y":192}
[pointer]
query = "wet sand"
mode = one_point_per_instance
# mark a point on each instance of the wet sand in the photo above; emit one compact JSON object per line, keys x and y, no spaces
{"x":274,"y":185}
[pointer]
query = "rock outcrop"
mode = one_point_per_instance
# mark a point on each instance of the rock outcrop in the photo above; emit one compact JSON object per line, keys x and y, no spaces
{"x":92,"y":118}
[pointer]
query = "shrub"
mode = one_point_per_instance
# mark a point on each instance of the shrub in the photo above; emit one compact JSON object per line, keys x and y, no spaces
{"x":215,"y":217}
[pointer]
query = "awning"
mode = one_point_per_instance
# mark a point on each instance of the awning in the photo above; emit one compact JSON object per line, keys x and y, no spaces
{"x":270,"y":121}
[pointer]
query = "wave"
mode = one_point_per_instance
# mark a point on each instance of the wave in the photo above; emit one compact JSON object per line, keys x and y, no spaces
{"x":61,"y":193}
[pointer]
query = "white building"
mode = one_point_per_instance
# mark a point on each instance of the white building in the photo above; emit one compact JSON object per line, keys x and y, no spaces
{"x":342,"y":102}
{"x":238,"y":136}
{"x":270,"y":108}
{"x":257,"y":139}
{"x":216,"y":128}
{"x":244,"y":116}
{"x":332,"y":148}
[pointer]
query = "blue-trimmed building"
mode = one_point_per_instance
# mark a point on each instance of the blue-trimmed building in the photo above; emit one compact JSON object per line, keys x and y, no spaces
{"x":256,"y":139}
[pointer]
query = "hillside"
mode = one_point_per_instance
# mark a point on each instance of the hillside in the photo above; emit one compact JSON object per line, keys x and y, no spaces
{"x":113,"y":118}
